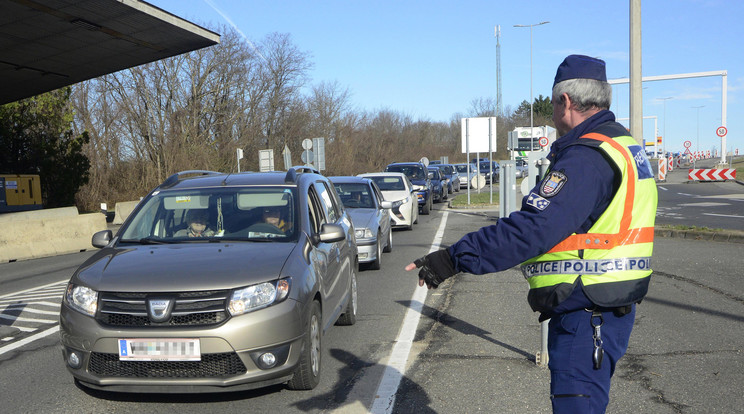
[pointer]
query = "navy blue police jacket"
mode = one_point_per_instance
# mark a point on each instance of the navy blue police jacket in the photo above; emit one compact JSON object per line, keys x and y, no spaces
{"x":541,"y":223}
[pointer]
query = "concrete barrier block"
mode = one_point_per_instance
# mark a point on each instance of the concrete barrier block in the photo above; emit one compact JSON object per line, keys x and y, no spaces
{"x":122,"y":210}
{"x":39,"y":214}
{"x":30,"y":239}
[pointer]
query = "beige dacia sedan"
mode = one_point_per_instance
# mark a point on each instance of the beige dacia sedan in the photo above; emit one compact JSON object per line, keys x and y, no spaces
{"x":215,"y":282}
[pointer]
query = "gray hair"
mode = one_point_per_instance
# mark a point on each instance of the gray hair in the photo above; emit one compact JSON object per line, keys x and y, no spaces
{"x":586,"y":94}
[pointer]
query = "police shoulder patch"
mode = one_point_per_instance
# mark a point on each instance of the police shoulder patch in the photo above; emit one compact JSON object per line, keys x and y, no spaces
{"x":538,"y":202}
{"x":552,"y":183}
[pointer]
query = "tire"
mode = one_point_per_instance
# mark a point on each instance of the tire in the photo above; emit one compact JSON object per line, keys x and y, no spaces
{"x":307,"y":374}
{"x":348,"y":318}
{"x":427,"y":207}
{"x":389,"y":246}
{"x":378,"y":260}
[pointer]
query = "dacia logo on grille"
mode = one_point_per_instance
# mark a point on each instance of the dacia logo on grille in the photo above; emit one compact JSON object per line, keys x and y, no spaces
{"x":159,"y":310}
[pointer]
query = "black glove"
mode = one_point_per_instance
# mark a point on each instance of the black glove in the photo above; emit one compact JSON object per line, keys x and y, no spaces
{"x":435,"y":268}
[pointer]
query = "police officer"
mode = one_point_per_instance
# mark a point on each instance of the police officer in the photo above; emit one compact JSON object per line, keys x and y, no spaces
{"x":583,"y":238}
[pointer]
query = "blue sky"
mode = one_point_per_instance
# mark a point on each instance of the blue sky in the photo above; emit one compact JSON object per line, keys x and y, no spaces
{"x":430,"y":59}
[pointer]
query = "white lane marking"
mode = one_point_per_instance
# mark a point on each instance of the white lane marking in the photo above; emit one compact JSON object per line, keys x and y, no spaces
{"x":685,"y":194}
{"x":396,"y":364}
{"x":22,"y":342}
{"x":22,"y":319}
{"x":703,"y":204}
{"x":722,"y":215}
{"x":31,"y":310}
{"x":663,"y":188}
{"x":35,"y":289}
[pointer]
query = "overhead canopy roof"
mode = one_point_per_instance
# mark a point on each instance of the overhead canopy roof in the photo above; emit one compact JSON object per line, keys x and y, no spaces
{"x":48,"y":44}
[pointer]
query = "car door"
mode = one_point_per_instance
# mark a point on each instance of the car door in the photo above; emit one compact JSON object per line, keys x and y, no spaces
{"x":383,"y":214}
{"x":338,"y":270}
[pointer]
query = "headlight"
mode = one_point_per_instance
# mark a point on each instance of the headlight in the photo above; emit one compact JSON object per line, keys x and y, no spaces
{"x":401,"y":202}
{"x":363,"y":233}
{"x":82,"y":299}
{"x":258,"y":296}
{"x":419,"y":187}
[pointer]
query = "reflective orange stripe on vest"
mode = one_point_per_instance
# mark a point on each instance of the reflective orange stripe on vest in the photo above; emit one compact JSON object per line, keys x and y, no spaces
{"x":626,"y":235}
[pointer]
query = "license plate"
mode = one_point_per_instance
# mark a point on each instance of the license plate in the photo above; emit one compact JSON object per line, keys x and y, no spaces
{"x":152,"y":349}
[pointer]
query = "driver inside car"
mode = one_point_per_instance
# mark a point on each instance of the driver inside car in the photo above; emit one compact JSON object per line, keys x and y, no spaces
{"x":273,"y":216}
{"x":198,"y":225}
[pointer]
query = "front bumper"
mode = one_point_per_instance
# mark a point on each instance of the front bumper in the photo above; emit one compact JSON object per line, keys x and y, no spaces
{"x":402,"y":215}
{"x":366,"y":250}
{"x":229,"y":352}
{"x":422,"y":197}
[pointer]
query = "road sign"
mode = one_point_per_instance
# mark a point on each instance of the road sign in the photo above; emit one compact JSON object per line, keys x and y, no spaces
{"x":721,"y":131}
{"x":307,"y":143}
{"x":688,"y":144}
{"x":543,"y":142}
{"x":712,"y":174}
{"x":307,"y":157}
{"x":266,"y":160}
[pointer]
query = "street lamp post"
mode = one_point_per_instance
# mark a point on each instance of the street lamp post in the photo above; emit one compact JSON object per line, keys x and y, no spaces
{"x":697,"y":144}
{"x":532,"y":138}
{"x":663,"y":143}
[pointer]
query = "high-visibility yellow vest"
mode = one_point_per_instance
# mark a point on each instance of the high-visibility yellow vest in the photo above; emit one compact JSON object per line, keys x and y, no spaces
{"x":613,"y":260}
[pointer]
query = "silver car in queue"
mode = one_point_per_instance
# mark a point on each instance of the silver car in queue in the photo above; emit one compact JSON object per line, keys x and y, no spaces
{"x":370,"y":214}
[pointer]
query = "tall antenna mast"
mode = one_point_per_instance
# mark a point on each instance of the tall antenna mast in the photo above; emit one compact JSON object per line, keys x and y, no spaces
{"x":497,"y":33}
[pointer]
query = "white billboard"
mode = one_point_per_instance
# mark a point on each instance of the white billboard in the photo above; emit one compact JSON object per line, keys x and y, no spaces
{"x":476,"y":133}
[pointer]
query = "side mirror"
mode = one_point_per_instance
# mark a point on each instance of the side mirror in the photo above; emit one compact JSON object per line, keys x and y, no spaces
{"x":101,"y":238}
{"x":331,"y":233}
{"x":386,"y":204}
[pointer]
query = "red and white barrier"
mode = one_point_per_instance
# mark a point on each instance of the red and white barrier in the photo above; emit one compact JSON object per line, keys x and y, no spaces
{"x":662,"y":169}
{"x":711,"y":174}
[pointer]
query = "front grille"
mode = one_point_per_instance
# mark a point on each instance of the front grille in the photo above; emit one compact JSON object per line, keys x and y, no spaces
{"x":127,"y":309}
{"x":211,"y":366}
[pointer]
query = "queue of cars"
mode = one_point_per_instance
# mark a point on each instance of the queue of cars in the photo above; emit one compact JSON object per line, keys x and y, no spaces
{"x":222,"y":282}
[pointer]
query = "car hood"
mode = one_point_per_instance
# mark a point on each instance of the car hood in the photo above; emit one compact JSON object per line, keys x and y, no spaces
{"x":395,"y":195}
{"x":419,"y":182}
{"x":186,"y":266}
{"x":362,"y":217}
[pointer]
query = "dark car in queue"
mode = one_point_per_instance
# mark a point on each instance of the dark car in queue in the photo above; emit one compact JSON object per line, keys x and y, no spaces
{"x":237,"y":295}
{"x":438,"y":185}
{"x":370,"y":214}
{"x":490,"y":170}
{"x":421,"y":180}
{"x":452,"y":177}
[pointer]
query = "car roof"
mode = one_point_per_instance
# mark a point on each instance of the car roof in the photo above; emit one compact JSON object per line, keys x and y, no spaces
{"x":205,"y":179}
{"x":406,"y":163}
{"x":349,"y":180}
{"x":382,"y":174}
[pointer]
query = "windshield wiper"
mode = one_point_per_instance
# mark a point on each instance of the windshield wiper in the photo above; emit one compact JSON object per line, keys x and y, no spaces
{"x":145,"y":240}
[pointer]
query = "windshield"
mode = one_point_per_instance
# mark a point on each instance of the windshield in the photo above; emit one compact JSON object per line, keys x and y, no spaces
{"x":213,"y":214}
{"x":435,"y":173}
{"x":446,"y":169}
{"x":463,"y":168}
{"x":355,"y":195}
{"x":389,"y":183}
{"x":413,"y":172}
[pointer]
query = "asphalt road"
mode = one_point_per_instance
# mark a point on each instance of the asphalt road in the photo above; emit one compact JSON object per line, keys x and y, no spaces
{"x":473,"y":350}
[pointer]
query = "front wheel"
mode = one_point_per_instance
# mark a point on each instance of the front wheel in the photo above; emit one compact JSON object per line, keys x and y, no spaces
{"x":375,"y":265}
{"x":427,"y":207}
{"x":349,"y":316}
{"x":389,"y":247}
{"x":307,"y":374}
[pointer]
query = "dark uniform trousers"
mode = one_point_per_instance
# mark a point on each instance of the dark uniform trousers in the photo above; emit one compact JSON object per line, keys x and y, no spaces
{"x":575,"y":386}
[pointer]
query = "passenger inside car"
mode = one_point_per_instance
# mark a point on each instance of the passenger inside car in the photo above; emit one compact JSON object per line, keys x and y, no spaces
{"x":198,"y":226}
